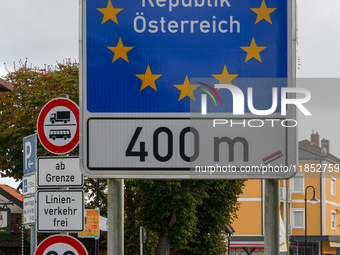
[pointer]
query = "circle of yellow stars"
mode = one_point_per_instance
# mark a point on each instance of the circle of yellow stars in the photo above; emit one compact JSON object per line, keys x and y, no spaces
{"x":186,"y":89}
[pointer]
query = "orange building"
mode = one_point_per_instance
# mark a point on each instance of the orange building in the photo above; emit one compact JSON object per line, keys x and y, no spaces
{"x":317,"y":168}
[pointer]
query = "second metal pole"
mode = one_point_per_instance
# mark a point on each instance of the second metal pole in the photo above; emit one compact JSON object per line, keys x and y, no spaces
{"x":97,"y":206}
{"x":115,"y":217}
{"x":271,"y":218}
{"x":33,"y":238}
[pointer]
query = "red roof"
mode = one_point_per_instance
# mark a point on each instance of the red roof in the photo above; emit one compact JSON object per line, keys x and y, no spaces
{"x":12,"y":191}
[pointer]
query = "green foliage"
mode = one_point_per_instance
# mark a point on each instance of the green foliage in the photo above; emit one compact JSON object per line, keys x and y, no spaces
{"x":19,"y":110}
{"x":202,"y":210}
{"x":193,"y":213}
{"x":217,"y":209}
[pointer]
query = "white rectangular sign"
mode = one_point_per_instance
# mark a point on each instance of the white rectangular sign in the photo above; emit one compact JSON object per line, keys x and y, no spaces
{"x":29,"y":210}
{"x":189,"y":148}
{"x":29,"y":184}
{"x":60,"y":210}
{"x":59,"y":172}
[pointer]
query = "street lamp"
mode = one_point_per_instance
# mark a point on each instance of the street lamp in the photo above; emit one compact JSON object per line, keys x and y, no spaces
{"x":313,"y":200}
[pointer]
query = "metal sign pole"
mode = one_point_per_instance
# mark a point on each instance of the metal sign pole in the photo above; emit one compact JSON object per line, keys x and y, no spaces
{"x":115,"y":217}
{"x":142,"y":237}
{"x":141,"y":240}
{"x":22,"y":235}
{"x":287,"y":218}
{"x":271,"y":218}
{"x":33,"y":238}
{"x":97,"y":205}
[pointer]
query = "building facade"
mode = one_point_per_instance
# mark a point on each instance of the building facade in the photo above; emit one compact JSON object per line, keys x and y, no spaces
{"x":12,"y":242}
{"x":318,"y":170}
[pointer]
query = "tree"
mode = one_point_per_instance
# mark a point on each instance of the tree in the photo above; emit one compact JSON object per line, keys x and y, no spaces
{"x":185,"y":216}
{"x":218,"y":208}
{"x":188,"y":217}
{"x":19,"y":110}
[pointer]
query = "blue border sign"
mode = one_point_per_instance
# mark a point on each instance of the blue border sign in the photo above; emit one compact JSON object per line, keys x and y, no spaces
{"x":151,"y":69}
{"x":159,"y":56}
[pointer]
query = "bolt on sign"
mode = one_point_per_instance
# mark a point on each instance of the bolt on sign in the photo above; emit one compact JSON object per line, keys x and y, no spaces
{"x":188,"y":89}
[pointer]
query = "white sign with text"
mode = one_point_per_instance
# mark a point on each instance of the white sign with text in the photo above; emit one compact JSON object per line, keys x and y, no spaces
{"x":60,"y":210}
{"x":29,"y":210}
{"x":29,"y":184}
{"x":59,"y":172}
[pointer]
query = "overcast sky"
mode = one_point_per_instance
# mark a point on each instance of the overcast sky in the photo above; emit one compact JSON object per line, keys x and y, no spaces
{"x":318,"y":46}
{"x":46,"y":31}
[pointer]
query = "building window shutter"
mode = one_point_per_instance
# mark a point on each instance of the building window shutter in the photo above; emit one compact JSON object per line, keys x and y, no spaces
{"x":333,"y":220}
{"x":298,"y":184}
{"x":298,"y":219}
{"x":333,"y":185}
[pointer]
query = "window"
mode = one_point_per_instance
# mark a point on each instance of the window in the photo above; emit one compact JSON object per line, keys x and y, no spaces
{"x":298,"y":184}
{"x":299,"y":218}
{"x":333,"y":186}
{"x":333,"y":220}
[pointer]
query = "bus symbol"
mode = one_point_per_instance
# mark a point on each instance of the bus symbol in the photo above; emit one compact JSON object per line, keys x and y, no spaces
{"x":62,"y":133}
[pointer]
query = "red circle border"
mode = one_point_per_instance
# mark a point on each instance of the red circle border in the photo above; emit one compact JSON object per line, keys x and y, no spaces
{"x":40,"y":125}
{"x":75,"y":243}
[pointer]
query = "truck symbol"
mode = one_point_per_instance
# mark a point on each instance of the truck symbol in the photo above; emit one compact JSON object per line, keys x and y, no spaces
{"x":61,"y":116}
{"x":61,"y":133}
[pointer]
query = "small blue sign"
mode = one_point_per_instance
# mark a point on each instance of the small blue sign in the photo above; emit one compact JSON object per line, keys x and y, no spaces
{"x":161,"y":56}
{"x":25,"y":185}
{"x":30,"y":154}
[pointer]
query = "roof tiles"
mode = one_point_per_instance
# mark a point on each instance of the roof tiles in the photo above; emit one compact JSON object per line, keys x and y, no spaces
{"x":12,"y":191}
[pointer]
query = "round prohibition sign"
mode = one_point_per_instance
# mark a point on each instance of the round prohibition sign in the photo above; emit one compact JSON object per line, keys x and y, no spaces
{"x":61,"y":245}
{"x":58,"y":126}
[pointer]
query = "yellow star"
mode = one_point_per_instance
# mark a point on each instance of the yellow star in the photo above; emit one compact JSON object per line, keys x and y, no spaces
{"x":225,"y":77}
{"x":120,"y":51}
{"x":253,"y":51}
{"x":148,"y":79}
{"x":263,"y":12}
{"x":187,"y":90}
{"x":109,"y":13}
